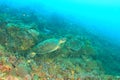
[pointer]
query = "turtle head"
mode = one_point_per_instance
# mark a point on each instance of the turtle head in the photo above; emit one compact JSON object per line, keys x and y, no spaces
{"x":62,"y":40}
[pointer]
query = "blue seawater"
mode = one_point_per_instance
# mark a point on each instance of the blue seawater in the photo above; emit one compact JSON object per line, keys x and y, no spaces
{"x":101,"y":17}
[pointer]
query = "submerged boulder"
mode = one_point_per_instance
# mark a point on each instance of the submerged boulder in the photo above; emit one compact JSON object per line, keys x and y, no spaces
{"x":21,"y":37}
{"x":74,"y":44}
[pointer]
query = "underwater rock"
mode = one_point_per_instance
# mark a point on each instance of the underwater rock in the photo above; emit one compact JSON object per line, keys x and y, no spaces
{"x":2,"y":50}
{"x":74,"y":44}
{"x":12,"y":29}
{"x":33,"y":32}
{"x":21,"y":70}
{"x":21,"y":37}
{"x":3,"y":37}
{"x":48,"y":45}
{"x":88,"y":49}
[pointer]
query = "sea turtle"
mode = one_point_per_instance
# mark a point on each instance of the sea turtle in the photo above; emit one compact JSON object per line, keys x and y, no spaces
{"x":48,"y":45}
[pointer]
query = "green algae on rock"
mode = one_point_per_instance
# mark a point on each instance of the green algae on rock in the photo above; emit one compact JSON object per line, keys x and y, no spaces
{"x":21,"y":36}
{"x":74,"y":44}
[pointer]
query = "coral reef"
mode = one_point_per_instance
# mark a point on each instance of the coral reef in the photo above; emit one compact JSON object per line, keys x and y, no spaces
{"x":24,"y":34}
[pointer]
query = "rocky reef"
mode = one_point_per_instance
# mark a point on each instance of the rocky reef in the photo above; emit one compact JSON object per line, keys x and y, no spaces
{"x":24,"y":34}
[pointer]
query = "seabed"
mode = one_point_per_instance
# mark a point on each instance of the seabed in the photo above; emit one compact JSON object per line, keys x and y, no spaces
{"x":84,"y":56}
